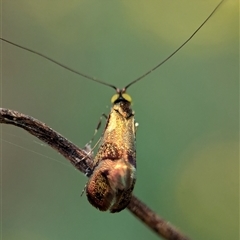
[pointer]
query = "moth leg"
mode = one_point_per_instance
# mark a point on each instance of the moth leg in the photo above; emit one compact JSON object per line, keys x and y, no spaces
{"x":88,"y":148}
{"x":96,"y":129}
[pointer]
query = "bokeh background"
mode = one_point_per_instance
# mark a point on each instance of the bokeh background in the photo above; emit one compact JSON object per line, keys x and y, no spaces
{"x":187,"y":140}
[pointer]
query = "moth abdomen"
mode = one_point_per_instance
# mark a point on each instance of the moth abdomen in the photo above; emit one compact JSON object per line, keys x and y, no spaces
{"x":111,"y":185}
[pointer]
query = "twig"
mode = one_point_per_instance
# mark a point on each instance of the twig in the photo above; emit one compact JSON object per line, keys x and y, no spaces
{"x":82,"y":161}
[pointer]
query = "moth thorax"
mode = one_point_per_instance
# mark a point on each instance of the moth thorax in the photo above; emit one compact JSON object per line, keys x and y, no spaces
{"x":124,"y":108}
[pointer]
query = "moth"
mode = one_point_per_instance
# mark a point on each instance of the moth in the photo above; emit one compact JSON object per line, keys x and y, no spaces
{"x":113,"y":173}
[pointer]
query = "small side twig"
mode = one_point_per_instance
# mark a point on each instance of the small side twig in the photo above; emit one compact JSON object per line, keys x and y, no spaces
{"x":82,"y":161}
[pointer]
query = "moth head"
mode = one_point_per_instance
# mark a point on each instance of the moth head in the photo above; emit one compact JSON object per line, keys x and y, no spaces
{"x":121,"y":95}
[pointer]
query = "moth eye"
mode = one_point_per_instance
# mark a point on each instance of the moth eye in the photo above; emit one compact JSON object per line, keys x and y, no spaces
{"x":114,"y":98}
{"x":127,"y":97}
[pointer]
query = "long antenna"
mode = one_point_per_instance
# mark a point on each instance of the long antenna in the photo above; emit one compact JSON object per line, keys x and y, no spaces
{"x":60,"y":64}
{"x":173,"y":53}
{"x":107,"y":84}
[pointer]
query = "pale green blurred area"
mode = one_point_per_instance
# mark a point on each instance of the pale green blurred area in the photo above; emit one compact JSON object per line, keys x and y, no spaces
{"x":187,"y":140}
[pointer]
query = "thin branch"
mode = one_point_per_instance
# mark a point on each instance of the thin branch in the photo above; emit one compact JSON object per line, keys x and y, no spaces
{"x":82,"y":162}
{"x":153,"y":221}
{"x":71,"y":152}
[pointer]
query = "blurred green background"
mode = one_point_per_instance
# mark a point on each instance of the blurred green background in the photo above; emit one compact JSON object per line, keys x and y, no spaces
{"x":187,"y":140}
